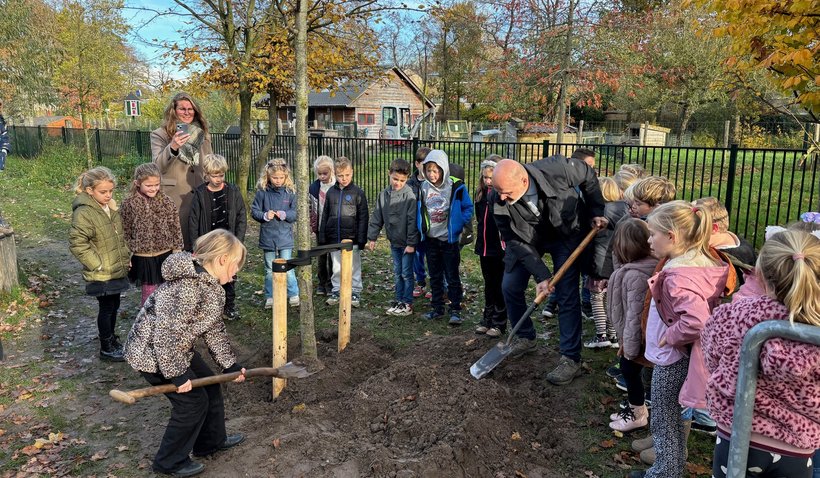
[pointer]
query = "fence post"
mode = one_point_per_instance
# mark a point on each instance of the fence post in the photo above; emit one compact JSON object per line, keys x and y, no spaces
{"x":415,"y":145}
{"x":99,"y":145}
{"x":545,"y":148}
{"x":139,"y":143}
{"x":40,"y":136}
{"x":730,"y":183}
{"x":64,"y":133}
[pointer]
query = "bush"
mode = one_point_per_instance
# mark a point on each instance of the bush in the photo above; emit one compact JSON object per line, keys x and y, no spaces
{"x":56,"y":166}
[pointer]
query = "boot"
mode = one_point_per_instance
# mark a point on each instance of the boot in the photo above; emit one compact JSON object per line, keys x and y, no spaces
{"x":642,"y":444}
{"x":109,"y":352}
{"x":116,"y":342}
{"x":648,"y":456}
{"x":631,"y":418}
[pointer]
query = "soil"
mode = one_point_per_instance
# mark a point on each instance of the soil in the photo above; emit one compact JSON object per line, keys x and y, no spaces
{"x":371,"y":412}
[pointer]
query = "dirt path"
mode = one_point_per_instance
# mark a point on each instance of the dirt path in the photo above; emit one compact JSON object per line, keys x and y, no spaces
{"x":373,"y":411}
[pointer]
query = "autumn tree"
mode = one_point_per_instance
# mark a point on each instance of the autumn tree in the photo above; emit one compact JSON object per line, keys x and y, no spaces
{"x":90,"y":72}
{"x":28,"y":50}
{"x":776,"y":36}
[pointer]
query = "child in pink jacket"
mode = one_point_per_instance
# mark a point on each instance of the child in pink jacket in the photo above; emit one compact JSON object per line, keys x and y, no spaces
{"x":684,"y":293}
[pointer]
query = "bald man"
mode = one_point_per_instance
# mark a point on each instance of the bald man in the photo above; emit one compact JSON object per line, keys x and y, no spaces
{"x":546,"y":207}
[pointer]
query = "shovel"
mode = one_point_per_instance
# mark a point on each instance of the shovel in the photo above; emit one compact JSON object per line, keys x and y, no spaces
{"x":289,"y":370}
{"x":497,"y":354}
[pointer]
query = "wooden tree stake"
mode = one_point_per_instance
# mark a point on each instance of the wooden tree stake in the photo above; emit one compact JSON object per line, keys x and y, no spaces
{"x":280,"y":325}
{"x":345,"y":296}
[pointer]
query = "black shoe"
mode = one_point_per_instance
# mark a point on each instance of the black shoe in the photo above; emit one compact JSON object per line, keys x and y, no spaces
{"x":190,"y":469}
{"x":108,"y":352}
{"x":231,"y":314}
{"x":117,"y":343}
{"x":230,"y":442}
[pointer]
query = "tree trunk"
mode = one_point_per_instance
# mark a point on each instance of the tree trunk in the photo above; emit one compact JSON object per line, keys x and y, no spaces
{"x":245,"y":97}
{"x":685,"y":116}
{"x":88,"y":155}
{"x":273,"y":129}
{"x":302,"y":174}
{"x":8,"y":258}
{"x":561,"y":122}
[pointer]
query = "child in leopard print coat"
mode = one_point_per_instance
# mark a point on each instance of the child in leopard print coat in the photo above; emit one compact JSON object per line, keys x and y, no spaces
{"x":161,"y":347}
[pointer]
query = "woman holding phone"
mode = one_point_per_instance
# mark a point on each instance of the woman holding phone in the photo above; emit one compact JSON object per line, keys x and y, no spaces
{"x":178,"y":148}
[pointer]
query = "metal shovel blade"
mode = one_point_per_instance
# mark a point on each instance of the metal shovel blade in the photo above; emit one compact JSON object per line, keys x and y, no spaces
{"x":291,"y":370}
{"x":490,"y":360}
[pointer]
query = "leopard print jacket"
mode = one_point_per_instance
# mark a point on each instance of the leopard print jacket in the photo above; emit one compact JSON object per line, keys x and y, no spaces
{"x":185,"y":307}
{"x":151,"y":225}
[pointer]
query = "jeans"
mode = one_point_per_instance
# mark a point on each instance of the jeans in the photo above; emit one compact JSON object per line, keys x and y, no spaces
{"x":816,"y":462}
{"x":698,"y":415}
{"x":566,"y":293}
{"x":293,"y":287}
{"x":418,"y":264}
{"x":443,"y":261}
{"x":403,"y":274}
{"x":336,"y":280}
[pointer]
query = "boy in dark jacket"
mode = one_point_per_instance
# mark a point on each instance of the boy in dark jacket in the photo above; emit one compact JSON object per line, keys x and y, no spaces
{"x":218,"y":205}
{"x":396,"y":212}
{"x":444,"y":209}
{"x":344,"y":217}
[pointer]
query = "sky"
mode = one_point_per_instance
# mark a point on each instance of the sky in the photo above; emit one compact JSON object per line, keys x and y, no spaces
{"x":149,"y":30}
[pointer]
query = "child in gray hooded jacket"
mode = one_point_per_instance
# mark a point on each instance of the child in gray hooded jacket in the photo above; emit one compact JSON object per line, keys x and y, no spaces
{"x":396,"y":212}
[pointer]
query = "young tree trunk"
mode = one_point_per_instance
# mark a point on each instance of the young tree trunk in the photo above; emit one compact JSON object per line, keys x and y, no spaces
{"x":686,"y":115}
{"x":273,"y":129}
{"x":566,"y":61}
{"x":245,"y":97}
{"x":87,"y":137}
{"x":302,"y":174}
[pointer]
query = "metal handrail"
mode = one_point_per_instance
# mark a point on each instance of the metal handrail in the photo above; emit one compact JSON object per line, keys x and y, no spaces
{"x":747,"y":383}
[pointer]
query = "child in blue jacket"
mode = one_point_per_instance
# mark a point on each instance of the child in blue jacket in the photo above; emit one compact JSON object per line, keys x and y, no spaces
{"x":274,"y":206}
{"x":444,"y":208}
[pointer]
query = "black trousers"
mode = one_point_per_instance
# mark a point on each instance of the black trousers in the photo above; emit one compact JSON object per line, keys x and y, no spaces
{"x":230,"y":295}
{"x":197,"y":420}
{"x":107,"y":315}
{"x":634,"y":385}
{"x":492,"y":269}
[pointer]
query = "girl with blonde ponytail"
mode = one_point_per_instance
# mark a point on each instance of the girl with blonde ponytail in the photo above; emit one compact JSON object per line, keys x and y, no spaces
{"x":786,"y":419}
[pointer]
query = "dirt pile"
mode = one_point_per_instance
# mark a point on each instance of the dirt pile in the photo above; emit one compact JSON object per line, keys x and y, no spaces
{"x":417,"y":413}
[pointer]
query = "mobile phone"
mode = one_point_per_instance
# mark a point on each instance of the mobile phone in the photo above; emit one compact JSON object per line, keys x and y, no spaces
{"x":183,"y":127}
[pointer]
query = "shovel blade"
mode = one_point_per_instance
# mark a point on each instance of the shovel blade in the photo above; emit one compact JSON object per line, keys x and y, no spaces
{"x":490,"y":360}
{"x":291,"y":370}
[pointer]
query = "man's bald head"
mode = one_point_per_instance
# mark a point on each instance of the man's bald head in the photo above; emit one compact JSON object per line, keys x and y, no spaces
{"x":510,"y":180}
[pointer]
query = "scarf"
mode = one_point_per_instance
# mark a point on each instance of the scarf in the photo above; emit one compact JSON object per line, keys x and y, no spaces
{"x":189,"y":152}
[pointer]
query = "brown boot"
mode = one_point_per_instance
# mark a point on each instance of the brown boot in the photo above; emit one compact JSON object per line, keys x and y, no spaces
{"x":642,"y":444}
{"x":648,"y":456}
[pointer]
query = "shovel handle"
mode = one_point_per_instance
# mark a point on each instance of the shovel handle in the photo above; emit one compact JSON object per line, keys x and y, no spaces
{"x":131,"y":396}
{"x":555,"y":278}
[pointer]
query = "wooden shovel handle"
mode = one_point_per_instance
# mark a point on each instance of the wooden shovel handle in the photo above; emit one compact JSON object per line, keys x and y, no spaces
{"x":131,"y":396}
{"x":566,"y":265}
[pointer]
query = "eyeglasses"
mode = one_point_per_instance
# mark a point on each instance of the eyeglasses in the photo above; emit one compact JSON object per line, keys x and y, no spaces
{"x":186,"y":110}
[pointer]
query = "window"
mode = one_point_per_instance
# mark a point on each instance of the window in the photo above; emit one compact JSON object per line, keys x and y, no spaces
{"x":366,"y":118}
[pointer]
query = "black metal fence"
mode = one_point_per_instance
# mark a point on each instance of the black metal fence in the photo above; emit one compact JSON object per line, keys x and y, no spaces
{"x":759,"y":186}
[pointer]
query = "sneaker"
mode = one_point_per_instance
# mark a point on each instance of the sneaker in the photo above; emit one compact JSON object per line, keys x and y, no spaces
{"x":455,"y":318}
{"x":418,"y":291}
{"x":321,"y":290}
{"x":550,"y":310}
{"x":522,"y":346}
{"x":391,"y":310}
{"x":434,"y":314}
{"x":403,"y":310}
{"x":566,"y":370}
{"x":598,"y":342}
{"x":354,"y":300}
{"x":708,"y":429}
{"x":294,"y":301}
{"x":428,"y":295}
{"x":614,"y":371}
{"x":630,"y":418}
{"x":613,"y":342}
{"x":625,"y":403}
{"x":332,"y":299}
{"x":494,"y":332}
{"x":586,"y":310}
{"x":620,"y":383}
{"x":481,"y":329}
{"x":269,"y":303}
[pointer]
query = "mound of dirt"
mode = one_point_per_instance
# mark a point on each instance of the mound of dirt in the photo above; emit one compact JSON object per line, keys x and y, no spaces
{"x":414,"y":413}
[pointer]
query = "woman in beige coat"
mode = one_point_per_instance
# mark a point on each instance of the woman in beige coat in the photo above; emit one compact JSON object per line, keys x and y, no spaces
{"x":178,"y":148}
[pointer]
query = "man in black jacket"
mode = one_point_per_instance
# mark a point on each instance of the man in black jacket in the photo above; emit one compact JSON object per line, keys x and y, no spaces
{"x":540,"y":209}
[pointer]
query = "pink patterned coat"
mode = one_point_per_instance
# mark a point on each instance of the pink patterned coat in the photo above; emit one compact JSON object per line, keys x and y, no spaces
{"x":787,"y":399}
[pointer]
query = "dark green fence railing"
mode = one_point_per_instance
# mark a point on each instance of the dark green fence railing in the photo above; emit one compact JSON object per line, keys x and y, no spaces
{"x":759,"y":186}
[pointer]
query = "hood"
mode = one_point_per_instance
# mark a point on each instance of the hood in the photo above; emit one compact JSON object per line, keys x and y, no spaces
{"x":83,"y":199}
{"x":646,"y":265}
{"x":178,"y":266}
{"x":438,"y":157}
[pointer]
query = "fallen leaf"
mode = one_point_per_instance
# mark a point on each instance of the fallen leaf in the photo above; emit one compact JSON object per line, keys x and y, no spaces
{"x":515,"y":436}
{"x":535,"y":445}
{"x":122,"y":447}
{"x":277,"y":443}
{"x":299,"y":408}
{"x":697,"y":469}
{"x":607,"y":444}
{"x":105,"y":428}
{"x":617,"y":433}
{"x":99,"y":455}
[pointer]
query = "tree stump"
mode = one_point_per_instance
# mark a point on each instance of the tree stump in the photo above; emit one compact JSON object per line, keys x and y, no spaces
{"x":8,"y":257}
